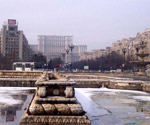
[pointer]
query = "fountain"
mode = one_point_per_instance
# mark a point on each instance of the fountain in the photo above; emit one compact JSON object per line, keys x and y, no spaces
{"x":54,"y":103}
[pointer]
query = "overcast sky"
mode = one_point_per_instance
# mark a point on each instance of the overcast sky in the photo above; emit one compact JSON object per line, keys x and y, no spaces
{"x":96,"y":23}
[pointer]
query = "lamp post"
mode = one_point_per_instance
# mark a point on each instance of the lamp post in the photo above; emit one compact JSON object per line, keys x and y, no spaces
{"x":63,"y":58}
{"x":129,"y":52}
{"x":128,"y":57}
{"x":124,"y":53}
{"x":71,"y":49}
{"x":137,"y":50}
{"x":67,"y":52}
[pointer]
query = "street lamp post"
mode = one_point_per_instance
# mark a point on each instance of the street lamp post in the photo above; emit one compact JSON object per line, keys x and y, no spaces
{"x":67,"y":52}
{"x":129,"y":52}
{"x":71,"y":49}
{"x":137,"y":50}
{"x":63,"y":58}
{"x":124,"y":53}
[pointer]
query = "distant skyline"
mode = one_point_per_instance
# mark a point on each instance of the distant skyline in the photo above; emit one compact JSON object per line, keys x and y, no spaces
{"x":95,"y":23}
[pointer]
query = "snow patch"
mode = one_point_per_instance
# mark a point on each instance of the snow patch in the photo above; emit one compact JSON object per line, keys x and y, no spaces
{"x":143,"y":98}
{"x":7,"y":92}
{"x":8,"y":100}
{"x":90,"y":91}
{"x":89,"y":106}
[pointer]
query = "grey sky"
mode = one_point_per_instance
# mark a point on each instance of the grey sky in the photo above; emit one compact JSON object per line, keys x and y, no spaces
{"x":96,"y":23}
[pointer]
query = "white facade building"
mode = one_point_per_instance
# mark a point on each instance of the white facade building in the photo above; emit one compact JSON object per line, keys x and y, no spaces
{"x":77,"y":51}
{"x":53,"y":46}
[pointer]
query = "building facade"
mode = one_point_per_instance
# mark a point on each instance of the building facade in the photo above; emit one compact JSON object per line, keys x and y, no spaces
{"x":13,"y":43}
{"x":130,"y":47}
{"x":53,"y":46}
{"x":94,"y":54}
{"x":77,"y":51}
{"x":127,"y":48}
{"x":34,"y":48}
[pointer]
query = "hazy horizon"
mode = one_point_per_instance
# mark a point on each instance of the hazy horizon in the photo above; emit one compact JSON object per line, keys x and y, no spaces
{"x":95,"y":23}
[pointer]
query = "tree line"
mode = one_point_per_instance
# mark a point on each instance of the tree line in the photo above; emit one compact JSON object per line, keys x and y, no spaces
{"x":5,"y":62}
{"x":111,"y":61}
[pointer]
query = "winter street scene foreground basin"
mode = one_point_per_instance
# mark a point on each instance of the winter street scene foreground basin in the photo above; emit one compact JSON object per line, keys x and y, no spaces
{"x":118,"y":106}
{"x":103,"y":106}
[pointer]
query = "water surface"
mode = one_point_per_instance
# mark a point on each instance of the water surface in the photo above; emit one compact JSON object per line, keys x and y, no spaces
{"x":129,"y":107}
{"x":13,"y":101}
{"x":103,"y":106}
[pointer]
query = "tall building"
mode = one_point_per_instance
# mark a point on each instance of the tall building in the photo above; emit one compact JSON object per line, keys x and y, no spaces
{"x":129,"y":47}
{"x":13,"y":42}
{"x":53,"y":46}
{"x":77,"y":51}
{"x":34,"y":48}
{"x":94,"y":54}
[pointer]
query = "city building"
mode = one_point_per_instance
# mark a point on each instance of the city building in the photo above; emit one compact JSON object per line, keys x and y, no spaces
{"x":77,"y":51}
{"x":13,"y":43}
{"x":53,"y":46}
{"x":34,"y":48}
{"x":130,"y":47}
{"x":127,"y":48}
{"x":94,"y":54}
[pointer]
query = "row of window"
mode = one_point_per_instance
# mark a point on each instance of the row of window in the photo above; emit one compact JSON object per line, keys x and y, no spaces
{"x":55,"y":38}
{"x":12,"y":48}
{"x":12,"y":39}
{"x":15,"y":45}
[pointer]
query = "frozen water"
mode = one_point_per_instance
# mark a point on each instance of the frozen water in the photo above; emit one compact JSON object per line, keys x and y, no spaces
{"x":6,"y":94}
{"x":101,"y":104}
{"x":90,"y":91}
{"x":8,"y":100}
{"x":143,"y":98}
{"x":13,"y":100}
{"x":129,"y":107}
{"x":95,"y":113}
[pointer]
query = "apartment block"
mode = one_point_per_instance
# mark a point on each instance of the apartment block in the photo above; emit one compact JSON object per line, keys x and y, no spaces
{"x":77,"y":51}
{"x":34,"y":48}
{"x":129,"y":47}
{"x":13,"y":42}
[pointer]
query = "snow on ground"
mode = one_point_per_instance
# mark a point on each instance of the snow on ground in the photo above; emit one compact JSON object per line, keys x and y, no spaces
{"x":88,"y":105}
{"x":8,"y":100}
{"x":90,"y":91}
{"x":142,"y":98}
{"x":6,"y":94}
{"x":14,"y":90}
{"x":94,"y":111}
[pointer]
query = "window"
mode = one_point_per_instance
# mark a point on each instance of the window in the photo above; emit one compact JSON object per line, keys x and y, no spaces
{"x":28,"y":65}
{"x":19,"y":65}
{"x":11,"y":28}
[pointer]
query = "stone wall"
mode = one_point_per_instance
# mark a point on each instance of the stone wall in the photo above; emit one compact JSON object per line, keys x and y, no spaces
{"x":94,"y":75}
{"x":20,"y":74}
{"x":17,"y":82}
{"x":19,"y":78}
{"x":123,"y":81}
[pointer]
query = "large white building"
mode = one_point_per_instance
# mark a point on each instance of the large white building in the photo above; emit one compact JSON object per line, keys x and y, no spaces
{"x":53,"y":46}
